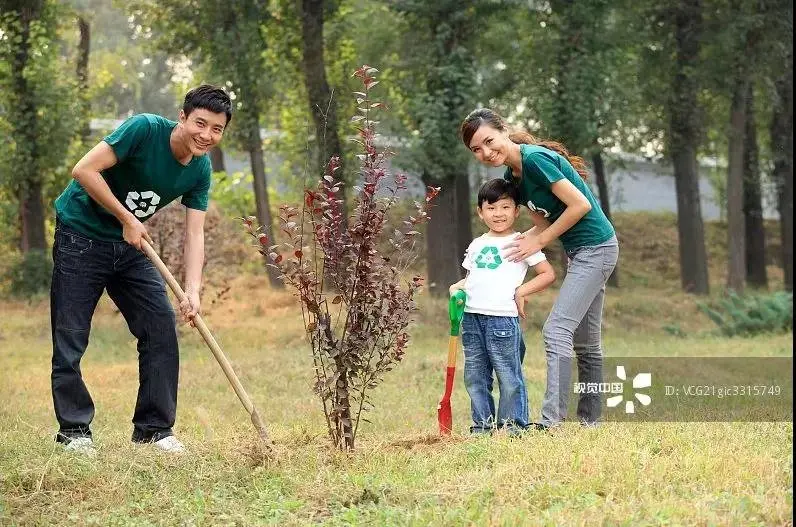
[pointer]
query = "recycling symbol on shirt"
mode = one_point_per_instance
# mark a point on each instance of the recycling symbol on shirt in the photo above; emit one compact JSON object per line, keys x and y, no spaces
{"x":143,"y":204}
{"x":488,"y":258}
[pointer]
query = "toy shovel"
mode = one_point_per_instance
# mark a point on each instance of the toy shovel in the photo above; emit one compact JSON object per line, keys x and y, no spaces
{"x":456,"y":311}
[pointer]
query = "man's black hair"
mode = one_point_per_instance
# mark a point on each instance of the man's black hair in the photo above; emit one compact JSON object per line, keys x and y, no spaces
{"x":496,"y":189}
{"x":208,"y":97}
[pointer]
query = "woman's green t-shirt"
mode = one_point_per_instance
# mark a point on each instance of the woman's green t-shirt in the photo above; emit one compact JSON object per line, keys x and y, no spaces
{"x":541,"y":168}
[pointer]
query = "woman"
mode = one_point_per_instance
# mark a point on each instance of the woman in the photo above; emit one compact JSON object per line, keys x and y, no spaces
{"x":552,"y":183}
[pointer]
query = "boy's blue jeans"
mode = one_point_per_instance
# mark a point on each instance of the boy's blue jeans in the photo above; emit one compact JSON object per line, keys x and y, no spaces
{"x":490,"y":344}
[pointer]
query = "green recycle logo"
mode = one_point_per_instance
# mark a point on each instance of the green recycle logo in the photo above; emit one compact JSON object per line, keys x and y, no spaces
{"x":488,"y":258}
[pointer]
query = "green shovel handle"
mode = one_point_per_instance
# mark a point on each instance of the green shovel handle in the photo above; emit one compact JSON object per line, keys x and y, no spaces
{"x":456,"y":311}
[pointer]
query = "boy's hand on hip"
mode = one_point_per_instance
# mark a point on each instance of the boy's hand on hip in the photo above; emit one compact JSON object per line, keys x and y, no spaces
{"x":134,"y":231}
{"x":520,"y":301}
{"x":190,"y":306}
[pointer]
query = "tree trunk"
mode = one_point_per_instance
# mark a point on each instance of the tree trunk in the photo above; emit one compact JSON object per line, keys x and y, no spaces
{"x":464,"y":230}
{"x":261,"y":193}
{"x":753,"y":201}
{"x":342,"y":415}
{"x":443,"y":262}
{"x":683,"y":142}
{"x":84,"y":49}
{"x":322,"y":106}
{"x":782,"y":151}
{"x":602,"y":188}
{"x":217,"y":159}
{"x":736,"y":226}
{"x":32,"y":215}
{"x":31,"y":208}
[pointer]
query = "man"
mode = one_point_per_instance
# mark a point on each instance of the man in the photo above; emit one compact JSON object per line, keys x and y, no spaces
{"x":139,"y":168}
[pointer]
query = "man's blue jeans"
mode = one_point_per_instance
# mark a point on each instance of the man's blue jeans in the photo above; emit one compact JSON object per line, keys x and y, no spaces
{"x":493,"y":344}
{"x":83,"y":269}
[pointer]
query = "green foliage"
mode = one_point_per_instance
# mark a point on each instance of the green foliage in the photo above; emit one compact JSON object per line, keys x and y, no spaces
{"x":751,"y":314}
{"x":29,"y":274}
{"x":233,"y":193}
{"x":39,"y":107}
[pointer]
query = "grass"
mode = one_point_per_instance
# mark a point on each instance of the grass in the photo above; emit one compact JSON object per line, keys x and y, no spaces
{"x":401,"y":472}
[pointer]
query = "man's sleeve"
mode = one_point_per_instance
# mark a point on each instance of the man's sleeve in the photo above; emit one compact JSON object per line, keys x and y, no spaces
{"x":197,"y":197}
{"x":543,"y":168}
{"x":125,"y":140}
{"x":535,"y":258}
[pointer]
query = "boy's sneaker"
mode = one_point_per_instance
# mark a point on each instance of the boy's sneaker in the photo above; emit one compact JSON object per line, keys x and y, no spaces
{"x":81,"y":445}
{"x":171,"y":445}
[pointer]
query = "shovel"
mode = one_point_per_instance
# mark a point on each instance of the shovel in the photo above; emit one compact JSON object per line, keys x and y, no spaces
{"x":212,"y":344}
{"x":456,"y":311}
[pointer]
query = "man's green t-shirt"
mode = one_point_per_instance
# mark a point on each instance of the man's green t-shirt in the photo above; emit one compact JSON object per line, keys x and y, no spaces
{"x":146,"y":178}
{"x":541,"y":168}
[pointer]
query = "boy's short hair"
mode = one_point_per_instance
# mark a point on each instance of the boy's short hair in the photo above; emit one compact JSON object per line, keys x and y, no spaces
{"x":208,"y":97}
{"x":497,"y":189}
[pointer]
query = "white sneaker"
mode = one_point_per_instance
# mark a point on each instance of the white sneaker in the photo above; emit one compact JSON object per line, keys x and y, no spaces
{"x":171,"y":445}
{"x":81,"y":445}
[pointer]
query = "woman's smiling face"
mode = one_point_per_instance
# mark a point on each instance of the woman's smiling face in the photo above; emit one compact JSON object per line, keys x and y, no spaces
{"x":490,"y":146}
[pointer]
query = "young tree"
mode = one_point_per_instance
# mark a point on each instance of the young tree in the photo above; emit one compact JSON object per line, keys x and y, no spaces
{"x":356,"y":300}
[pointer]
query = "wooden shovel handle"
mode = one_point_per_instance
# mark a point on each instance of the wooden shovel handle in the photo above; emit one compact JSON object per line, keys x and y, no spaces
{"x":211,"y":342}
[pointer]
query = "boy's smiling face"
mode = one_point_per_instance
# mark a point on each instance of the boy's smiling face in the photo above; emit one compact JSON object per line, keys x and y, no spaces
{"x":500,"y":215}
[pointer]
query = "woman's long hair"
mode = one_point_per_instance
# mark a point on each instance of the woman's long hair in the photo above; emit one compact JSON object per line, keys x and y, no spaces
{"x":486,"y":116}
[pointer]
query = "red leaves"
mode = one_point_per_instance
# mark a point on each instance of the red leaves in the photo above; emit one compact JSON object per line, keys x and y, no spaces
{"x":431,"y":193}
{"x":350,"y":273}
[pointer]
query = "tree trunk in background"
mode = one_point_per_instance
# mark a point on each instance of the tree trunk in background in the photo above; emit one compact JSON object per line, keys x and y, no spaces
{"x":443,"y":260}
{"x":684,"y":138}
{"x":736,"y":226}
{"x":602,"y":188}
{"x":32,"y":215}
{"x":753,"y":201}
{"x":84,"y":49}
{"x":217,"y":159}
{"x":322,"y":105}
{"x":31,"y":207}
{"x":782,"y":151}
{"x":261,"y":193}
{"x":464,"y":229}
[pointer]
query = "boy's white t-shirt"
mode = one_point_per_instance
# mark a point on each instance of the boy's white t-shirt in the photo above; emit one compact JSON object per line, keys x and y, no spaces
{"x":492,"y":279}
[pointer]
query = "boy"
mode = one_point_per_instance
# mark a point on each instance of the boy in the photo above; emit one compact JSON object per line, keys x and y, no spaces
{"x":142,"y":166}
{"x":496,"y":295}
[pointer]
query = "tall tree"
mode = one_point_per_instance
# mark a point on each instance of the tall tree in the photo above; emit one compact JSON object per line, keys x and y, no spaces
{"x":781,"y":131}
{"x":37,"y":101}
{"x":439,"y":35}
{"x":322,"y":103}
{"x":21,"y":17}
{"x":683,"y":143}
{"x":756,"y":275}
{"x":84,"y":52}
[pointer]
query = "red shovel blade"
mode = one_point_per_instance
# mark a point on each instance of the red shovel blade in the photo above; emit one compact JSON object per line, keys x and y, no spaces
{"x":444,"y":413}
